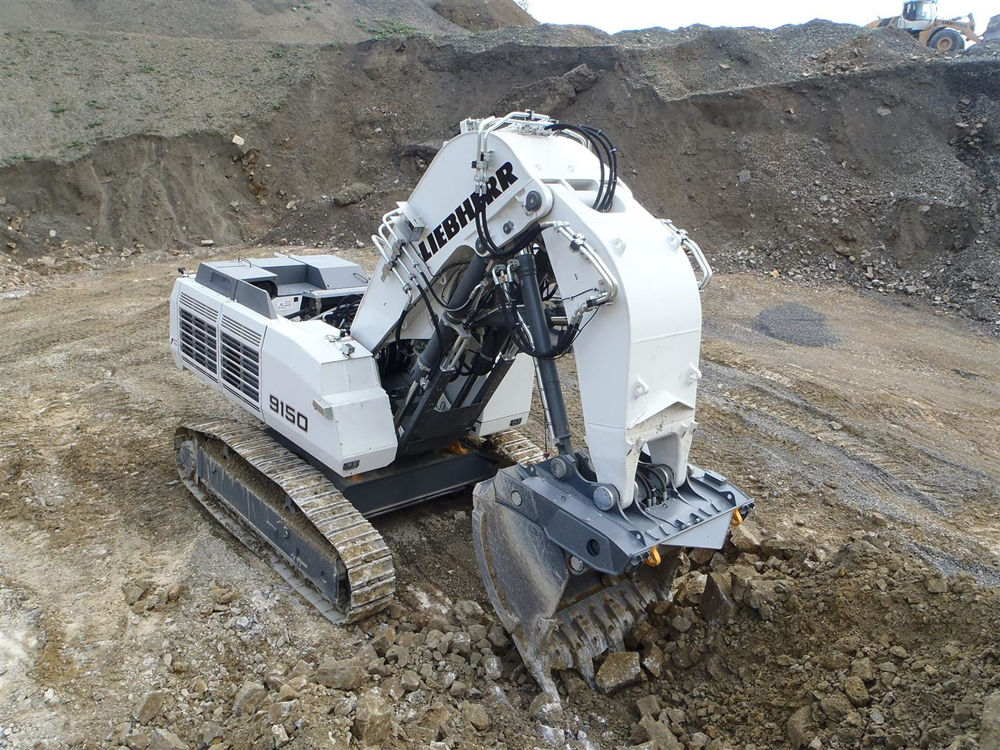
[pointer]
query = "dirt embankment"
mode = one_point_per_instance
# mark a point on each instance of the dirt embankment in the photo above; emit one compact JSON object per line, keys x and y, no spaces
{"x":317,"y":22}
{"x":824,"y":166}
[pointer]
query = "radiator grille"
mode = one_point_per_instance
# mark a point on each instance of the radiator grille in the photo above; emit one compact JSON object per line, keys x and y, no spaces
{"x":199,"y":340}
{"x":240,"y":331}
{"x":197,"y":306}
{"x":241,"y":369}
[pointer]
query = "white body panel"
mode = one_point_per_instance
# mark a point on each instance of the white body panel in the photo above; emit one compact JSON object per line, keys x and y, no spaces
{"x":637,"y":356}
{"x":304,"y":385}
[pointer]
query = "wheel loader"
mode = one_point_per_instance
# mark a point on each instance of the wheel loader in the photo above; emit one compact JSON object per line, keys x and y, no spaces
{"x":920,"y":20}
{"x":519,"y":246}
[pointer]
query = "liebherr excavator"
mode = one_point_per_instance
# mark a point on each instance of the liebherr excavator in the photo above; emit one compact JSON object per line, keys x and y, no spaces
{"x":519,"y":245}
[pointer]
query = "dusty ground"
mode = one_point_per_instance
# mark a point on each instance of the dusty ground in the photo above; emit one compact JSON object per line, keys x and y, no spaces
{"x":874,"y":457}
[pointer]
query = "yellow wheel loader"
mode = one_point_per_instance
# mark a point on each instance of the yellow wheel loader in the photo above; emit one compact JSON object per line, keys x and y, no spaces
{"x":921,"y":20}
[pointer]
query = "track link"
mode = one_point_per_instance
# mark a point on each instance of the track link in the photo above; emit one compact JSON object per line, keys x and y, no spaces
{"x":266,"y":495}
{"x":510,"y":446}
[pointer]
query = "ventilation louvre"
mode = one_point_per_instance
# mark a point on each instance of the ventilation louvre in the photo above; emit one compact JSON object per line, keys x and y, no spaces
{"x":240,"y":331}
{"x":199,"y":338}
{"x":198,"y":307}
{"x":241,"y":369}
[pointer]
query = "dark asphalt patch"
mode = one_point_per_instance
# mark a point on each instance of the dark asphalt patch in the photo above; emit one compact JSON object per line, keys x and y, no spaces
{"x":795,"y":324}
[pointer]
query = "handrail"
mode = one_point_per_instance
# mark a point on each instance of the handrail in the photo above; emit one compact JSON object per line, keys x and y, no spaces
{"x":691,"y":247}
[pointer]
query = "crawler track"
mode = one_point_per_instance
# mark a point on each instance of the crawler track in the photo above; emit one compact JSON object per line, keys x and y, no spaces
{"x":263,"y":493}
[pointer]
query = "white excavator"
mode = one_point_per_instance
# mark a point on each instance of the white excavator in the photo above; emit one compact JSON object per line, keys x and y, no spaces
{"x":519,"y":245}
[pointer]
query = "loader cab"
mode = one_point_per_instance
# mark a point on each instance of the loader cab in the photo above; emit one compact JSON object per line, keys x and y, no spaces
{"x":917,"y":16}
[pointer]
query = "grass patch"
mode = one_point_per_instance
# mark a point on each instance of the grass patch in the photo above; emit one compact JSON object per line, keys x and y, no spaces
{"x":94,"y":104}
{"x":383,"y":29}
{"x":94,"y":124}
{"x":56,"y":108}
{"x":12,"y":160}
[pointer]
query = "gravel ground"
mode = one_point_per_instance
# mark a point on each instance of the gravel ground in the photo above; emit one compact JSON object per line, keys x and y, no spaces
{"x":131,"y":619}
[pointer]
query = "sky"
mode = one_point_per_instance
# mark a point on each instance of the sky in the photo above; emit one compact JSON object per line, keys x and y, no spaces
{"x":618,"y":15}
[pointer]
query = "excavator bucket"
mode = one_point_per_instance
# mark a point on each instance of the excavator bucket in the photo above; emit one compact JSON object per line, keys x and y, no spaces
{"x":992,"y":29}
{"x":559,"y":619}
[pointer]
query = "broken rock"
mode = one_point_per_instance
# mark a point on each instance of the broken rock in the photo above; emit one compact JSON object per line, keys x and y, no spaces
{"x":619,"y":670}
{"x":745,"y":539}
{"x":372,"y":719}
{"x":798,"y":727}
{"x":164,"y":739}
{"x":545,"y":706}
{"x":581,"y":78}
{"x":151,"y":706}
{"x":717,"y":605}
{"x":656,"y":734}
{"x":340,"y":674}
{"x":989,"y":735}
{"x":353,"y":193}
{"x":475,"y":714}
{"x":248,"y":698}
{"x":856,"y":691}
{"x":208,"y":734}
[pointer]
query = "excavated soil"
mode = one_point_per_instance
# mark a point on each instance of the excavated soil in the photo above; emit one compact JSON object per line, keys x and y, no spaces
{"x":871,"y":449}
{"x":844,"y":181}
{"x":805,"y":152}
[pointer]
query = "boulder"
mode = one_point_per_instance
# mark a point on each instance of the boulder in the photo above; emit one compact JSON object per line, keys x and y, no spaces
{"x":857,"y":693}
{"x":799,"y":727}
{"x":656,"y":734}
{"x":580,"y":78}
{"x":150,"y":706}
{"x":620,"y":669}
{"x":164,"y":739}
{"x":545,"y":706}
{"x":476,"y":715}
{"x":339,"y":674}
{"x":209,"y":734}
{"x":836,"y":706}
{"x":372,"y":719}
{"x":248,"y":698}
{"x":717,"y":605}
{"x":745,"y":539}
{"x":989,"y":734}
{"x":353,"y":193}
{"x":648,"y":705}
{"x":549,"y":95}
{"x":862,"y":668}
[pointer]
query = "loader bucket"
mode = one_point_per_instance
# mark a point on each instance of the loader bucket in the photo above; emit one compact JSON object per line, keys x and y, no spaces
{"x":992,"y":29}
{"x":558,"y":620}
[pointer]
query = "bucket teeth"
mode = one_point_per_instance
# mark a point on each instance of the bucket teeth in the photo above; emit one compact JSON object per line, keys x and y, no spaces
{"x":558,"y":621}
